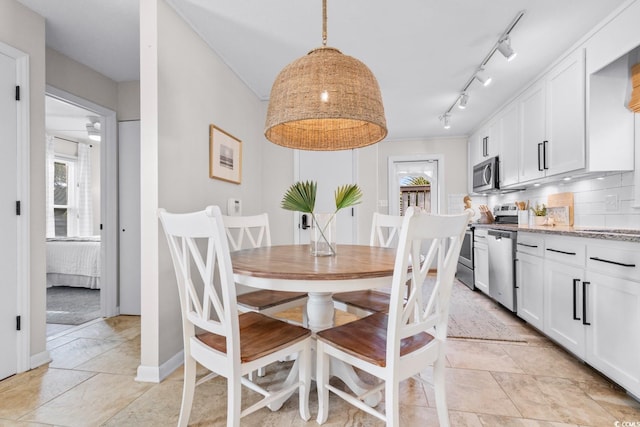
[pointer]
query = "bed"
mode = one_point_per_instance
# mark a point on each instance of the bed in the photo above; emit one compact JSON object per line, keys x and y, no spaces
{"x":73,"y":261}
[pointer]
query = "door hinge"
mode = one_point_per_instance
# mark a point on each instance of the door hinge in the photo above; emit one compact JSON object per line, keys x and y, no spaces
{"x":100,"y":226}
{"x":18,"y":326}
{"x":17,"y":93}
{"x":17,"y":207}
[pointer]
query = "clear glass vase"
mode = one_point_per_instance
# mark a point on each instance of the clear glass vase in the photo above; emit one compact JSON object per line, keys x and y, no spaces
{"x":323,"y":235}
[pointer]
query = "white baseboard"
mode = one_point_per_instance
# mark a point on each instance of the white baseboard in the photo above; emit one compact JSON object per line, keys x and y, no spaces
{"x":40,"y":359}
{"x":155,"y":374}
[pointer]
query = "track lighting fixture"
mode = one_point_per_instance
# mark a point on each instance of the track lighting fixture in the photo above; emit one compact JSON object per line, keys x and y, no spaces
{"x":504,"y":46}
{"x":482,"y":78}
{"x":446,"y":120}
{"x":464,"y":98}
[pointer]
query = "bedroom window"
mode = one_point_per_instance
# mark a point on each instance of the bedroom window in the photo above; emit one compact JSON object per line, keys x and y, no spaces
{"x":65,"y":217}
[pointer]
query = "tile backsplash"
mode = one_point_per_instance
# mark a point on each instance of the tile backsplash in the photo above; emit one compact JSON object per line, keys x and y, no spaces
{"x":598,"y":202}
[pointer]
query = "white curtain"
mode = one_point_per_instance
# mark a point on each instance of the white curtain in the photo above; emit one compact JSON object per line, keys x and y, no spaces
{"x":85,"y":201}
{"x":50,"y":156}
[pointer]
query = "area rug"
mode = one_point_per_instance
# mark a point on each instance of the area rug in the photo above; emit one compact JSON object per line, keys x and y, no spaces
{"x":468,"y":317}
{"x":72,"y":306}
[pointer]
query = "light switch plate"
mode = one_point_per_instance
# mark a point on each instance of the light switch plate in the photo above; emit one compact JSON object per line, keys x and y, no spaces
{"x":611,"y":202}
{"x":234,"y":207}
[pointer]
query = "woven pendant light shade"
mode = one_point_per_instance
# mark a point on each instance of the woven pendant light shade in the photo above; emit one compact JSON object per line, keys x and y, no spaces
{"x":325,"y":101}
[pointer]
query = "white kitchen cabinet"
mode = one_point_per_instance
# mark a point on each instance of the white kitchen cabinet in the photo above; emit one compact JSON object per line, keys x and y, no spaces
{"x":530,"y":279}
{"x":509,"y":145}
{"x":562,"y":308}
{"x":565,"y":147}
{"x":481,"y":260}
{"x":530,"y":289}
{"x":532,"y":132}
{"x":612,"y":324}
{"x":552,"y":121}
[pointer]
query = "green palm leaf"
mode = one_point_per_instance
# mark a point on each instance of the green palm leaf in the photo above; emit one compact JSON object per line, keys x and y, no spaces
{"x":300,"y":197}
{"x":347,"y":195}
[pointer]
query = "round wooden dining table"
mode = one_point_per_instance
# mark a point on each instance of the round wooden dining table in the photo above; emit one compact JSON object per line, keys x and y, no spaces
{"x":293,"y":268}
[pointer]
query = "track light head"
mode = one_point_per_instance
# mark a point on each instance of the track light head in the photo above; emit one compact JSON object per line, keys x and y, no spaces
{"x":486,"y":81}
{"x":446,"y":120}
{"x":504,"y":46}
{"x":464,"y":98}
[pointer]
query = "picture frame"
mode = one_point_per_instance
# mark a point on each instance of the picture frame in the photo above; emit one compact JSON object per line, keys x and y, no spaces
{"x":225,"y":156}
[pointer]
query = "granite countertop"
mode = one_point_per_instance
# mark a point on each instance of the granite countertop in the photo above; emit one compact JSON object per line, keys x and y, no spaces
{"x":621,"y":234}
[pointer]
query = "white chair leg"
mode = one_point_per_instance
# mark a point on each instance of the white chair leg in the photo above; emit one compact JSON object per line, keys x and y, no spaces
{"x":261,"y":372}
{"x":440,"y":391}
{"x":391,"y":404}
{"x":234,"y":390}
{"x":188,"y":390}
{"x":322,"y":378}
{"x":304,"y":366}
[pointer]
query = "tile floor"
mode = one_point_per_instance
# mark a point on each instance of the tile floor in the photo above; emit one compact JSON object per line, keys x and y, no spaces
{"x":90,"y":382}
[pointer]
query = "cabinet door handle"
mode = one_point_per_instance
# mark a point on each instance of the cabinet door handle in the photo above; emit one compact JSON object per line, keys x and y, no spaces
{"x":595,"y":258}
{"x":560,"y":252}
{"x":575,"y":299}
{"x":528,"y":246}
{"x":544,"y":155}
{"x":584,"y":303}
{"x":539,"y":157}
{"x":485,"y":146}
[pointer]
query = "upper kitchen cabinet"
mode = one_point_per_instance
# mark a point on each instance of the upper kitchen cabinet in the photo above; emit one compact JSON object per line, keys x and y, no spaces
{"x":552,"y":121}
{"x":510,"y":141}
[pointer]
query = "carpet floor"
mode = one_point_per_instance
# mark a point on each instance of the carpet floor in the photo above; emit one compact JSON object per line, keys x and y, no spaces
{"x":72,"y":306}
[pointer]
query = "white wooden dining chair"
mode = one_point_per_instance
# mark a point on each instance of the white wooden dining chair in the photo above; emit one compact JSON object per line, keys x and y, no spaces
{"x":215,"y":335}
{"x":385,"y":230}
{"x":412,"y":336}
{"x":252,"y":232}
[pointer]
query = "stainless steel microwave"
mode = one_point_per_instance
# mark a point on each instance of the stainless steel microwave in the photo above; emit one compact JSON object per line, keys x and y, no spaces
{"x":485,"y":176}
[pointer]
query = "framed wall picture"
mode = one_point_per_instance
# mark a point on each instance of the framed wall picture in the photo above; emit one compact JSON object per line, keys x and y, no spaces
{"x":225,"y":156}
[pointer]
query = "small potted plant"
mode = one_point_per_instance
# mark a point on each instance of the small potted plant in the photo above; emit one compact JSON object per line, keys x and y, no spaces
{"x":539,"y":214}
{"x":301,"y":197}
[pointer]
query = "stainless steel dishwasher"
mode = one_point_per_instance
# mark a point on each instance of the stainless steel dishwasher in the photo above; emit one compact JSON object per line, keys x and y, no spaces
{"x":502,"y":249}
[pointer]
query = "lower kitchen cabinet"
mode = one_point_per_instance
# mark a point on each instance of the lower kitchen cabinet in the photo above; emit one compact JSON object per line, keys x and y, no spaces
{"x":563,"y":306}
{"x":530,"y":289}
{"x":612,"y":328}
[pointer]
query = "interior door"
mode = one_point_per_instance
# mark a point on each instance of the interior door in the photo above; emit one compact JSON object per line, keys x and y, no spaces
{"x":330,"y":169}
{"x":129,"y":215}
{"x":8,"y":217}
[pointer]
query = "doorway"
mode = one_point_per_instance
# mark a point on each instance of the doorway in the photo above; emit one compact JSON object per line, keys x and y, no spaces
{"x":415,"y":180}
{"x":99,"y":122}
{"x":330,"y":169}
{"x":73,"y":244}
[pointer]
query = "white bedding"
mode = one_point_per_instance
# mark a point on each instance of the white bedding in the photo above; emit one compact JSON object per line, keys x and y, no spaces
{"x":73,"y":262}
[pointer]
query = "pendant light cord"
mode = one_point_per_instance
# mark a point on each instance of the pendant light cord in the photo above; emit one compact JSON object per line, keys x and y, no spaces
{"x":324,"y":22}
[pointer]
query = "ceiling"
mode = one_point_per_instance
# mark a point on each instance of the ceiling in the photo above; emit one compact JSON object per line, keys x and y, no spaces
{"x":67,"y":121}
{"x":422,"y":51}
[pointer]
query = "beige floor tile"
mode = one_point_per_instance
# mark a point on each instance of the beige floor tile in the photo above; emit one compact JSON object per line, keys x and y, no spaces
{"x":614,"y":399}
{"x":474,"y":391}
{"x":79,"y":351}
{"x":480,"y":355}
{"x":464,"y":419}
{"x":114,"y":328}
{"x":59,"y":341}
{"x":12,"y":423}
{"x":123,"y":359}
{"x":552,"y":399}
{"x":494,"y":420}
{"x":550,"y":361}
{"x":36,"y":388}
{"x":90,"y":403}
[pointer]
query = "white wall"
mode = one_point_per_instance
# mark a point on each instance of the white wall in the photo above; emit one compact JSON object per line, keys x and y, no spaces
{"x":25,"y":30}
{"x":195,"y":89}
